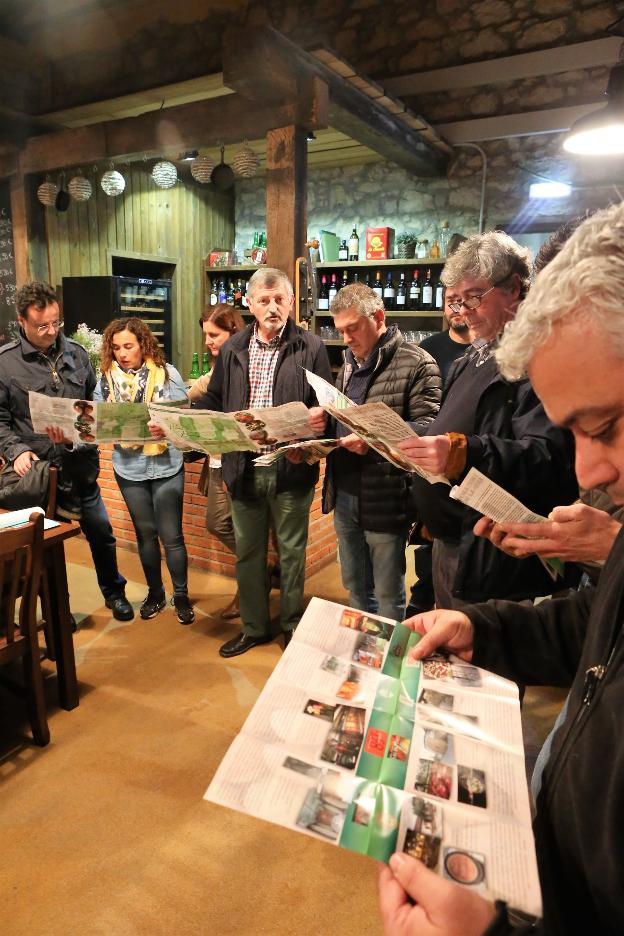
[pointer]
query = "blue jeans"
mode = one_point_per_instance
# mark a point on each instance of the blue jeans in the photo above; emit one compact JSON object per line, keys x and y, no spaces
{"x":156,"y":510}
{"x":96,"y":527}
{"x":372,"y":564}
{"x":252,"y":516}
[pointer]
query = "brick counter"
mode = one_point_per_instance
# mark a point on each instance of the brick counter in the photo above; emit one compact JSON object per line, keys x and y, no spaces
{"x":204,"y":550}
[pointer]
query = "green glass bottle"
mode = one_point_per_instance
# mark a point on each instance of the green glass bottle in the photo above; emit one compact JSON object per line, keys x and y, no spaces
{"x":195,"y":371}
{"x":205,"y":363}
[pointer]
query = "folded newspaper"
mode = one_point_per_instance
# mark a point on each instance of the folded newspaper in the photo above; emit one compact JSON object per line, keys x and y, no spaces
{"x":86,"y":421}
{"x":375,"y":423}
{"x":354,"y":744}
{"x":494,"y":502}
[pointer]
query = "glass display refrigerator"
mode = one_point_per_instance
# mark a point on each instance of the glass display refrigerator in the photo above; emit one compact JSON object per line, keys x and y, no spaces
{"x":96,"y":300}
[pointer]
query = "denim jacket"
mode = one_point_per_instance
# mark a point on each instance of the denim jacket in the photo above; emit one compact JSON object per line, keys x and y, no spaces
{"x":131,"y":463}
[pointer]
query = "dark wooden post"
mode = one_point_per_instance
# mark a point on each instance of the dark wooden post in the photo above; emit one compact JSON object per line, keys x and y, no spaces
{"x":29,"y":239}
{"x":286,"y":196}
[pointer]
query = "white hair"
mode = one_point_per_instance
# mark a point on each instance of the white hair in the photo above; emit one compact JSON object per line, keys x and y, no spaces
{"x":585,"y":279}
{"x":268,"y":278}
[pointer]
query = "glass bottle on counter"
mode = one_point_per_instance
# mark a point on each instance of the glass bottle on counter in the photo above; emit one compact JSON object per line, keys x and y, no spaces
{"x":414,"y":293}
{"x":427,"y":294}
{"x":195,"y":372}
{"x":401,"y":294}
{"x":389,"y":293}
{"x":343,"y":252}
{"x":378,"y":285}
{"x":205,"y":363}
{"x":354,"y":245}
{"x":323,"y":296}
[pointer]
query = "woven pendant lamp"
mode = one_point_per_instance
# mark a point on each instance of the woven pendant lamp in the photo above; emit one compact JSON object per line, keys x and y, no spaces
{"x":201,"y":169}
{"x":47,"y":192}
{"x":246,"y":162}
{"x":113,"y":182}
{"x":165,"y":174}
{"x":80,"y":188}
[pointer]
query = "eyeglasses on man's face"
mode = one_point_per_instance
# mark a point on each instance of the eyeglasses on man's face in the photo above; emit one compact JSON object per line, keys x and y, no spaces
{"x":55,"y":326}
{"x":472,"y":302}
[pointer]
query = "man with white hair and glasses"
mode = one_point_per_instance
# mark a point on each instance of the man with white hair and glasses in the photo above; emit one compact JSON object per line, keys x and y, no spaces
{"x":568,"y":338}
{"x":490,"y":424}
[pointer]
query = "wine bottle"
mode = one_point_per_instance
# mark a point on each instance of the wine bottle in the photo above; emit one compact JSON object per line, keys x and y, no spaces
{"x":427,"y":293}
{"x":414,"y":293}
{"x":230,"y":293}
{"x":323,"y":296}
{"x":354,"y":245}
{"x":345,"y":279}
{"x":356,"y":277}
{"x":333,"y":289}
{"x":343,"y":252}
{"x":367,"y":279}
{"x":401,"y":294}
{"x":378,"y":286}
{"x":389,"y":293}
{"x":244,"y":303}
{"x":439,"y":296}
{"x":205,"y":363}
{"x":195,"y":371}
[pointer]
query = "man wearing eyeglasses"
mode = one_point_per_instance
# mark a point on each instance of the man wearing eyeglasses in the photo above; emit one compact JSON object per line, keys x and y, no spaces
{"x":43,"y":359}
{"x":490,"y":424}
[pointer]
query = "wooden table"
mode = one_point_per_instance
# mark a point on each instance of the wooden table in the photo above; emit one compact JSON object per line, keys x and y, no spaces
{"x":55,"y":570}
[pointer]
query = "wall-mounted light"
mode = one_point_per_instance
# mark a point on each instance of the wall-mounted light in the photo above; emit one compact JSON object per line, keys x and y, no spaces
{"x":549,"y":190}
{"x":601,"y":133}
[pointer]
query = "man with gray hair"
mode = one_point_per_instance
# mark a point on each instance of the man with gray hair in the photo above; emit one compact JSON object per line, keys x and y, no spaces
{"x":368,"y":495}
{"x":259,"y":367}
{"x":487,"y":423}
{"x":568,"y":337}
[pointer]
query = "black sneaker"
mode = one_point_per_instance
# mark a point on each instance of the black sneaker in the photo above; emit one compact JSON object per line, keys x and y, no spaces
{"x":184,"y":609}
{"x":121,"y":608}
{"x":152,"y":605}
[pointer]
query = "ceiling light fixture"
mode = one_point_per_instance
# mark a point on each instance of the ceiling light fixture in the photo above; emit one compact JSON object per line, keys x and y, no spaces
{"x":601,"y":133}
{"x":189,"y":155}
{"x":549,"y":190}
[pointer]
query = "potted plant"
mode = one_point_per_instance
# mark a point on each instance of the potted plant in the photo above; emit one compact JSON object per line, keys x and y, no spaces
{"x":406,"y":246}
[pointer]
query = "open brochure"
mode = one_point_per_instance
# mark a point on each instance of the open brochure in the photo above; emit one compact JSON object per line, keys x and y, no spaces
{"x":375,"y":423}
{"x":86,"y":421}
{"x":247,"y":430}
{"x":354,"y":744}
{"x":312,"y":450}
{"x":494,"y":502}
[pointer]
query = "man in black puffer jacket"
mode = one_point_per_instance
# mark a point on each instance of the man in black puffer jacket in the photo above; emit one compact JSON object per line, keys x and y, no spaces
{"x":368,"y":495}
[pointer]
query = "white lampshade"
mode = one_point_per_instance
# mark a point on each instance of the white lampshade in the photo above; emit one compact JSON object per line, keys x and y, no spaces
{"x":601,"y":133}
{"x":165,"y":174}
{"x":80,"y":188}
{"x":113,"y":182}
{"x":201,"y":169}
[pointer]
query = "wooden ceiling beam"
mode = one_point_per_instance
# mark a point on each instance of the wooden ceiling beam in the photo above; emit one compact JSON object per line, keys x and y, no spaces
{"x":273,"y":68}
{"x":168,"y":132}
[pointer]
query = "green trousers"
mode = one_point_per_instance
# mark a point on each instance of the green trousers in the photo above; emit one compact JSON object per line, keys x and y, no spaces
{"x":251,"y":514}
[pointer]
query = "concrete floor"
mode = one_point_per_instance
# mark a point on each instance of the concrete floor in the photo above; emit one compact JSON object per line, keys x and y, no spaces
{"x":105,"y":830}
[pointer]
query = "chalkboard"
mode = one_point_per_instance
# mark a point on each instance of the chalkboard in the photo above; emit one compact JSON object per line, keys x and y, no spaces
{"x":8,"y":324}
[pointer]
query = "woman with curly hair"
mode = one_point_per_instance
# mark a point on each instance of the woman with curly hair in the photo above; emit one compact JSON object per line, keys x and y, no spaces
{"x":150,"y":475}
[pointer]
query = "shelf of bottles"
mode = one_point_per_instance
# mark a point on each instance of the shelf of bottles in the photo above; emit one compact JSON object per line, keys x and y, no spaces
{"x":229,"y":284}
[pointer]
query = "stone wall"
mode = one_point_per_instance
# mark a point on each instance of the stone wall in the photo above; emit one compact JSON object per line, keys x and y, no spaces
{"x":383,"y":193}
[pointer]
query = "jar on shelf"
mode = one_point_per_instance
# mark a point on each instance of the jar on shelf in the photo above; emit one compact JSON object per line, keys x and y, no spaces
{"x":422,"y":249}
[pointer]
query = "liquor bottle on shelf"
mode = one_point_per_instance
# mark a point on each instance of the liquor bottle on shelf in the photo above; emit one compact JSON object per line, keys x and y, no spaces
{"x":356,"y":277}
{"x":439,"y":296}
{"x":354,"y":245}
{"x":222,"y":293}
{"x":434,"y":253}
{"x":378,"y":285}
{"x":367,"y":280}
{"x":195,"y":372}
{"x":445,"y":236}
{"x":238,"y":295}
{"x":389,"y":293}
{"x":214,"y":293}
{"x":401,"y":294}
{"x":427,"y":294}
{"x":205,"y":363}
{"x":414,"y":293}
{"x":230,"y":293}
{"x":343,"y":252}
{"x":244,"y":303}
{"x":345,"y":279}
{"x":333,"y":288}
{"x":323,"y":296}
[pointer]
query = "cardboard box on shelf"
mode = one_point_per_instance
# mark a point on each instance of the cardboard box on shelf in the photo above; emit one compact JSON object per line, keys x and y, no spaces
{"x":221,"y":257}
{"x":379,"y":243}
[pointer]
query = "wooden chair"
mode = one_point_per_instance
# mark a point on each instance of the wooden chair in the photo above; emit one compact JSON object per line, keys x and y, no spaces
{"x":21,"y":559}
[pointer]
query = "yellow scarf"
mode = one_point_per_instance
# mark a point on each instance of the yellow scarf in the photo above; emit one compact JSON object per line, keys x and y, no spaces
{"x":124,"y":386}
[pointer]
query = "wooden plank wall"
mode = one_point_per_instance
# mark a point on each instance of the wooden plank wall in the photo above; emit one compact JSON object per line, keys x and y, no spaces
{"x":183,"y":222}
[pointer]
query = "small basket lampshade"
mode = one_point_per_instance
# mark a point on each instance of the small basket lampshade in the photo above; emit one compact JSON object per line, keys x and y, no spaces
{"x":47,"y":192}
{"x":245,"y":163}
{"x":165,"y":174}
{"x":80,"y":188}
{"x":113,"y":182}
{"x":201,"y":169}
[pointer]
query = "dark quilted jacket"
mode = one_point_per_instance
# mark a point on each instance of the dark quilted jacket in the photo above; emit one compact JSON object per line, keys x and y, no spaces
{"x":407,"y":380}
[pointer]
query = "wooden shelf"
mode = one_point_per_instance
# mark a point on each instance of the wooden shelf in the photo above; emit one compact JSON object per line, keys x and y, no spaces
{"x":358,"y":264}
{"x":417,"y":313}
{"x":235,"y":268}
{"x":126,"y":308}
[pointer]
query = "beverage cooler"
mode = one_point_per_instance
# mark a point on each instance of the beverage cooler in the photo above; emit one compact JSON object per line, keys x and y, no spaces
{"x":96,"y":300}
